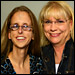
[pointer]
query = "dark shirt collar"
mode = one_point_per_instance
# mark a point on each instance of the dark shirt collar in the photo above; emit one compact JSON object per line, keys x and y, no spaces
{"x":68,"y":47}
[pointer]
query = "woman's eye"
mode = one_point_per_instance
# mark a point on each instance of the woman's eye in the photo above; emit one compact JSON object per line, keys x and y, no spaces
{"x":15,"y":26}
{"x":48,"y":21}
{"x":25,"y":26}
{"x":60,"y":21}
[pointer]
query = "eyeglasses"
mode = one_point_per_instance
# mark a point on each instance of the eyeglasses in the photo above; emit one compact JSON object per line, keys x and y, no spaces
{"x":58,"y":22}
{"x":24,"y":27}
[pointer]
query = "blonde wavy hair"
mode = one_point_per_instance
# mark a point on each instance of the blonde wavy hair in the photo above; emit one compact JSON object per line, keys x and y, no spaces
{"x":62,"y":9}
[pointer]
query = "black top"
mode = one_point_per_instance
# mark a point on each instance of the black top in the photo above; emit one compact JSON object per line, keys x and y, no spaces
{"x":66,"y":65}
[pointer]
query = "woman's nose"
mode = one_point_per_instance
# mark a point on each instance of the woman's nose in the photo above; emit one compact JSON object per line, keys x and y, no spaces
{"x":20,"y":30}
{"x":53,"y":27}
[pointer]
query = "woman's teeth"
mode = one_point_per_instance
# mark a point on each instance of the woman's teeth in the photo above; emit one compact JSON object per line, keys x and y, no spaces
{"x":20,"y":38}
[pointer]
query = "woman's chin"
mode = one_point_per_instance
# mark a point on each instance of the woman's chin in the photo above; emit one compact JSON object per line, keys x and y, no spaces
{"x":55,"y":41}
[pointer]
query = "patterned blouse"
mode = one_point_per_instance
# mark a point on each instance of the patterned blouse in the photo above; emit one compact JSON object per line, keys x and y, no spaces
{"x":35,"y":66}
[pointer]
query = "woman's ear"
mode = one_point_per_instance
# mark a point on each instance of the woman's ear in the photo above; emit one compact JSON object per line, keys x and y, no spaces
{"x":71,"y":22}
{"x":32,"y":36}
{"x":9,"y":35}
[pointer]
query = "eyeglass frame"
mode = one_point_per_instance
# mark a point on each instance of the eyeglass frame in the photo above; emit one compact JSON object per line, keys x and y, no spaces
{"x":56,"y":22}
{"x":11,"y":27}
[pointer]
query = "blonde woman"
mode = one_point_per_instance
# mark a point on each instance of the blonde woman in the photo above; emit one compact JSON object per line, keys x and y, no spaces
{"x":20,"y":48}
{"x":56,"y":25}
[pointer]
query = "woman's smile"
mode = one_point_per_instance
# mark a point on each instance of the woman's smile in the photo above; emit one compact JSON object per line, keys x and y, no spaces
{"x":20,"y":38}
{"x":55,"y":34}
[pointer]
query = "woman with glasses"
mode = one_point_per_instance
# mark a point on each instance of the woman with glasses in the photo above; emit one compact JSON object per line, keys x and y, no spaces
{"x":20,"y":50}
{"x":56,"y":25}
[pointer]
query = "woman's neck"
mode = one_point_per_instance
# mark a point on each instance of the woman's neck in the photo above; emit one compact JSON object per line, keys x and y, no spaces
{"x":18,"y":56}
{"x":58,"y":51}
